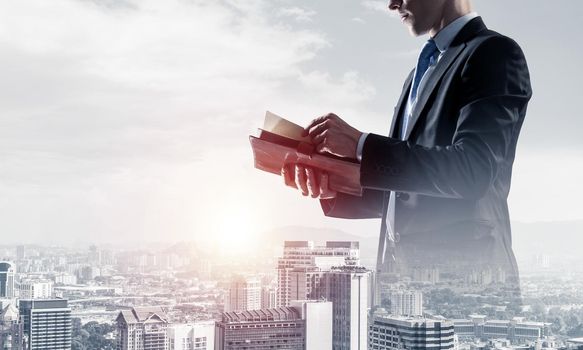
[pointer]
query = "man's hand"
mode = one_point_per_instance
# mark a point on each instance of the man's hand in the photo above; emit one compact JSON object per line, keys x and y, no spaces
{"x":333,"y":135}
{"x":308,"y":180}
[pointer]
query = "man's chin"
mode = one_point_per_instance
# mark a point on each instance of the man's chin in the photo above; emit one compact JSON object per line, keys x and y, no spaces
{"x":416,"y":31}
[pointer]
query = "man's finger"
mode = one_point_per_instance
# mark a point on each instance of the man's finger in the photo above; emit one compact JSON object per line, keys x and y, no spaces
{"x":325,"y":191}
{"x":313,"y":185}
{"x":321,"y":137}
{"x":317,"y":121}
{"x":286,"y":173}
{"x":301,"y":179}
{"x":319,"y":128}
{"x":322,"y":147}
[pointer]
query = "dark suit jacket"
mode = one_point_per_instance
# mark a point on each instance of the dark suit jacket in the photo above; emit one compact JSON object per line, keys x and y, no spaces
{"x":452,"y":172}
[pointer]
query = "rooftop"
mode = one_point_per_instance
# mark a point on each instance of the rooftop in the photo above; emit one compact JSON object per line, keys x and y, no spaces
{"x":142,"y":315}
{"x":277,"y":314}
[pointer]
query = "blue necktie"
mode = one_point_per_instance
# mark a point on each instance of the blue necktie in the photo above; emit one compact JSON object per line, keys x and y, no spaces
{"x":427,"y":58}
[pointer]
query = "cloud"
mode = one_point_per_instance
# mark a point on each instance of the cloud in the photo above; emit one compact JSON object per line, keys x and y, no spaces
{"x":376,"y":5}
{"x":112,"y":110}
{"x":297,"y":13}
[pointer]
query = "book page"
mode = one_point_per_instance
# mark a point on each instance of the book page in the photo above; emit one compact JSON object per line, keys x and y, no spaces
{"x":278,"y":125}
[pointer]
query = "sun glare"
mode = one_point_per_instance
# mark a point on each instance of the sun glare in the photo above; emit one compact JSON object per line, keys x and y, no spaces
{"x":235,"y":232}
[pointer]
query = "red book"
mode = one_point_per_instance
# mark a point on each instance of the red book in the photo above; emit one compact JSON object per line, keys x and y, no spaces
{"x":280,"y":142}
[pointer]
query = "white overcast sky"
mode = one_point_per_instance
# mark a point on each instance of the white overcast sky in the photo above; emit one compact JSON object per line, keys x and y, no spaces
{"x":129,"y":119}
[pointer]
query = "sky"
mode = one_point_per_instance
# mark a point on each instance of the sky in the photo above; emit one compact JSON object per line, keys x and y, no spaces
{"x":127,"y":120}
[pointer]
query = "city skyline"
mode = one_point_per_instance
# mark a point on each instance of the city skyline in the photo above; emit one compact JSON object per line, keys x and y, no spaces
{"x":123,"y":119}
{"x":180,"y":300}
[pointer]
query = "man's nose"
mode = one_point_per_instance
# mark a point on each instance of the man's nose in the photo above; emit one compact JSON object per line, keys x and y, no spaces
{"x":395,"y":4}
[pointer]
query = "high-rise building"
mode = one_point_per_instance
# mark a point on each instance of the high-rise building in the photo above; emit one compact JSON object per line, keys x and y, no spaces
{"x":6,"y":279}
{"x":94,"y":256}
{"x":388,"y":332}
{"x":243,"y":294}
{"x":304,"y":283}
{"x":64,"y":278}
{"x":47,"y":323}
{"x":406,"y":302}
{"x":36,"y":289}
{"x":426,"y":274}
{"x":11,"y":331}
{"x":305,"y":255}
{"x":347,"y":287}
{"x":20,"y":252}
{"x":306,"y":326}
{"x":192,"y":336}
{"x":318,"y":322}
{"x":268,"y":297}
{"x":143,"y":328}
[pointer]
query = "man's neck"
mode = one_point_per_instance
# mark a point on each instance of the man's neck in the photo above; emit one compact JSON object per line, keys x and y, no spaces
{"x":451,"y":11}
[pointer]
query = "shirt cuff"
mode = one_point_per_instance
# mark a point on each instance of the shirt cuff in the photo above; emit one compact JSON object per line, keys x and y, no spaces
{"x":360,"y":146}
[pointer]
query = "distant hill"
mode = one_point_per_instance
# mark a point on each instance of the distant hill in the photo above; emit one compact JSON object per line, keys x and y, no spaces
{"x":368,"y":245}
{"x":552,"y":238}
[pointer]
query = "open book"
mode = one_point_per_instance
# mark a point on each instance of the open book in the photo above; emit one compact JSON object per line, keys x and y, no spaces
{"x":281,"y":142}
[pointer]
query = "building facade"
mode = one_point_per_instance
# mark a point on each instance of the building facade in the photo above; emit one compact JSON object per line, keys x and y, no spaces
{"x":11,"y":330}
{"x":280,"y":328}
{"x":7,"y":271}
{"x":406,"y":302}
{"x":46,"y":323}
{"x":192,"y":336}
{"x":318,"y":317}
{"x":143,"y":328}
{"x":347,"y":287}
{"x":243,"y":294}
{"x":516,"y":330}
{"x":304,"y":255}
{"x":388,"y":332}
{"x":36,"y":289}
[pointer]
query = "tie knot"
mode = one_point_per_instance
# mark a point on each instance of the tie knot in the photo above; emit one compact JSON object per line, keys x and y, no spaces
{"x":429,"y":50}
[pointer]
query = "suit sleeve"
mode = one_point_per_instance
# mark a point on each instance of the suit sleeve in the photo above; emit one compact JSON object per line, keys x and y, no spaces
{"x":495,"y":87}
{"x":369,"y":206}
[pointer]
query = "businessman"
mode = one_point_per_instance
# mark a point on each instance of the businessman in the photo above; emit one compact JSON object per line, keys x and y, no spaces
{"x":441,"y":178}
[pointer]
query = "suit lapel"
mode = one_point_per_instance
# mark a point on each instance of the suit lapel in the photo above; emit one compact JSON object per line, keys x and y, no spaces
{"x":433,"y":79}
{"x":401,"y":105}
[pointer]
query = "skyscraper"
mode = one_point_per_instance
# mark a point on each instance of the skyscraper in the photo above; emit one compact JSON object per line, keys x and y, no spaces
{"x":387,"y":332}
{"x":20,"y":252}
{"x":6,"y":279}
{"x":304,"y":283}
{"x":243,"y":294}
{"x":268,"y":297}
{"x":47,"y":323}
{"x":406,"y":302}
{"x":305,"y":255}
{"x":143,"y":328}
{"x":347,"y":287}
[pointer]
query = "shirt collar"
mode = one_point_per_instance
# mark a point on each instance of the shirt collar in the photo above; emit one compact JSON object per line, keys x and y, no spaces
{"x":445,"y":36}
